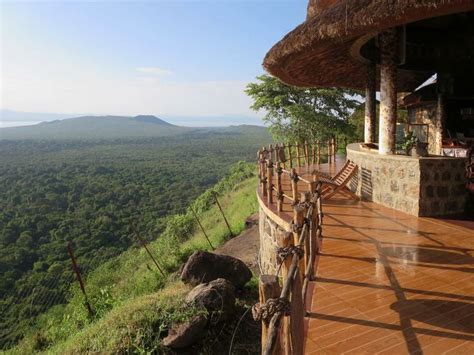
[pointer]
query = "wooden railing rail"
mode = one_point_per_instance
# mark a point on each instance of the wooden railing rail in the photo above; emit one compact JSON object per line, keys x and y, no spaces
{"x":272,"y":164}
{"x":282,"y":309}
{"x":300,"y":154}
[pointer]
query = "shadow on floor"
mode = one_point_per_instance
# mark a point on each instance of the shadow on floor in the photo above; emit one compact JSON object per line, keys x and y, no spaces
{"x":439,"y":313}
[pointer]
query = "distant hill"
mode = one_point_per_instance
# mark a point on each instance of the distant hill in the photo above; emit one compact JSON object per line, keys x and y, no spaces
{"x":93,"y":127}
{"x":112,"y":127}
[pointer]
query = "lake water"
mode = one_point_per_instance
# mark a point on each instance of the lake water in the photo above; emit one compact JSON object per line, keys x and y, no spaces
{"x":4,"y":124}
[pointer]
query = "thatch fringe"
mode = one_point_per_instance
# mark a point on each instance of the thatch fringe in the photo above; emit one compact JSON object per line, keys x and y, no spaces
{"x":316,"y":53}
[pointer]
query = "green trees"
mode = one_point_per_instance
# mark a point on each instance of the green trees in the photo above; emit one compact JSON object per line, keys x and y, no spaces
{"x":89,"y":192}
{"x":299,"y":114}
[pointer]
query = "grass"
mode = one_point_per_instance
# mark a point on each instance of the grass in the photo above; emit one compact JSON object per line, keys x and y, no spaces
{"x":133,"y":303}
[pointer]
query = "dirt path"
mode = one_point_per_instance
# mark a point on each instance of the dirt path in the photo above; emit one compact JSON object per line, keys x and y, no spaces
{"x":245,"y":246}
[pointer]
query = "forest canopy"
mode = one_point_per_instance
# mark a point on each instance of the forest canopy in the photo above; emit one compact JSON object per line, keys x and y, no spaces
{"x":88,"y":192}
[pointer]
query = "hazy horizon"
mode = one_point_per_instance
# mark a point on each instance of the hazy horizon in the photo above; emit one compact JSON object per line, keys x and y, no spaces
{"x":11,"y":118}
{"x":176,"y":60}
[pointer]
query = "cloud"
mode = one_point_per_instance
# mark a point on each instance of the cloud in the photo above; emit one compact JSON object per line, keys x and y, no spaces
{"x":154,"y":70}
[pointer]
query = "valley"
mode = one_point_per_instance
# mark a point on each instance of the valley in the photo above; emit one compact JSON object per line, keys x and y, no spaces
{"x":89,"y":191}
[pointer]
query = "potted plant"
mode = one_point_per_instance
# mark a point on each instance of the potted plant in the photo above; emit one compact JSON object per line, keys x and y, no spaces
{"x":412,"y":146}
{"x":408,"y":142}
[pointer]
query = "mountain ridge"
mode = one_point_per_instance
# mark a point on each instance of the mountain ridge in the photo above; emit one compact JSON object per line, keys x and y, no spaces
{"x":84,"y":127}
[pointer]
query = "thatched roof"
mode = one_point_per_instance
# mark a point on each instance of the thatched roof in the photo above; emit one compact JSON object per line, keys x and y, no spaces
{"x":320,"y":52}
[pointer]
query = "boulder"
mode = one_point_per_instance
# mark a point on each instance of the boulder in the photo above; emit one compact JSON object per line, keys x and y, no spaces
{"x":217,"y":297}
{"x":203,"y":267}
{"x":182,"y":335}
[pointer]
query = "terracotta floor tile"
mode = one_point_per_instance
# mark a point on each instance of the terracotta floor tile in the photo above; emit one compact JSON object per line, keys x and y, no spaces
{"x":358,"y":340}
{"x":465,"y":348}
{"x":382,"y":270}
{"x":379,"y":345}
{"x":444,"y":345}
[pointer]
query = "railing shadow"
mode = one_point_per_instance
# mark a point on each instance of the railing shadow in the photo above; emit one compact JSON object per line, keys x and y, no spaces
{"x":431,"y":311}
{"x":437,"y":313}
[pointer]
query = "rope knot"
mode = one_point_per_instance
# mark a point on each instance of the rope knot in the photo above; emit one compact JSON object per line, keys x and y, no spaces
{"x":264,"y":312}
{"x":296,"y":228}
{"x":284,"y":252}
{"x":307,"y":221}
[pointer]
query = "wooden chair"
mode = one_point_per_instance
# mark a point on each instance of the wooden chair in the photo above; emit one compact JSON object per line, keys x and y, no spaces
{"x":338,"y":183}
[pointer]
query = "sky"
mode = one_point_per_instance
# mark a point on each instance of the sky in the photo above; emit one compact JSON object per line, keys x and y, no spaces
{"x":166,"y":58}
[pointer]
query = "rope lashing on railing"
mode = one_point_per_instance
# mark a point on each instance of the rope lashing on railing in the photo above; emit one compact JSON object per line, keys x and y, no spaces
{"x":268,"y":309}
{"x":287,"y":283}
{"x":284,"y":252}
{"x":294,"y":177}
{"x":297,"y":228}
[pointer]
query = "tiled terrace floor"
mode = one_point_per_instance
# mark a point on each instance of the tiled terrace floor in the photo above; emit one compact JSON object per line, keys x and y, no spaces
{"x":391,"y":283}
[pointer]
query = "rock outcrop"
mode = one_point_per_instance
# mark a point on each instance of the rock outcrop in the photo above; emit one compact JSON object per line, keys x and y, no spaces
{"x":182,"y":335}
{"x":203,"y":267}
{"x":217,"y":297}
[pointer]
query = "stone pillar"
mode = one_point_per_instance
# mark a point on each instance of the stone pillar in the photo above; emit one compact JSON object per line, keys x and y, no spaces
{"x":388,"y":90}
{"x":370,"y":111}
{"x":439,"y":125}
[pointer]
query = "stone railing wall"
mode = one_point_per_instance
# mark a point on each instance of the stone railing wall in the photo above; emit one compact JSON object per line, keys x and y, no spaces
{"x":427,"y":186}
{"x":271,"y":235}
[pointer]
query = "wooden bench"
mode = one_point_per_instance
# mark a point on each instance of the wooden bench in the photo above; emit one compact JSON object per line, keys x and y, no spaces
{"x":338,"y":183}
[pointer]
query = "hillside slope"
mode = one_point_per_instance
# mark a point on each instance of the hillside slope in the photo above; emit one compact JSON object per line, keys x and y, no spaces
{"x":133,"y":302}
{"x":93,"y":127}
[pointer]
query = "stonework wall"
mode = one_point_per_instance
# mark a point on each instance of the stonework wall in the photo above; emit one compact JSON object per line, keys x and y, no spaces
{"x":431,"y":186}
{"x":270,"y":234}
{"x":442,"y":187}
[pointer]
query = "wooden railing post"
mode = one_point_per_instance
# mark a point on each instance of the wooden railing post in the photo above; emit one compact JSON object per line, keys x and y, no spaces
{"x":264,"y":178}
{"x":319,"y":211}
{"x":298,"y":220}
{"x":306,"y":153}
{"x":318,"y":144}
{"x":329,"y":151}
{"x":298,"y":156}
{"x":269,"y":287}
{"x":297,"y":314}
{"x":294,"y":185}
{"x":305,"y":199}
{"x":292,"y":290}
{"x":286,"y":241}
{"x":270,"y":182}
{"x":279,"y":187}
{"x":290,"y":155}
